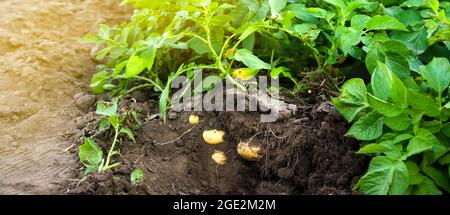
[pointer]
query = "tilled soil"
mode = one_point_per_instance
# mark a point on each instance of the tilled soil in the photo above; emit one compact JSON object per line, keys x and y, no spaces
{"x":303,"y":154}
{"x":44,"y":77}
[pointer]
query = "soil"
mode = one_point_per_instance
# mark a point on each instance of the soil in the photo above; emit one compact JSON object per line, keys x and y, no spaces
{"x":303,"y":154}
{"x":44,"y":74}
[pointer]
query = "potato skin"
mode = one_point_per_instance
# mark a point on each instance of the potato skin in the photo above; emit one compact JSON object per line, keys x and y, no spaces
{"x":249,"y":152}
{"x":219,"y":157}
{"x":194,"y":119}
{"x":213,"y":137}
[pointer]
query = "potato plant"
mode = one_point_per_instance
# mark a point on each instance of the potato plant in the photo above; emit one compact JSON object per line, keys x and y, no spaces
{"x":403,"y":45}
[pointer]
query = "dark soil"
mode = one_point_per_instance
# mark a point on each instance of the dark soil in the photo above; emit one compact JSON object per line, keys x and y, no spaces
{"x":306,"y":153}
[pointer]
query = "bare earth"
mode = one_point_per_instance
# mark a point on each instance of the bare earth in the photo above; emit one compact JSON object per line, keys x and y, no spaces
{"x":43,"y":70}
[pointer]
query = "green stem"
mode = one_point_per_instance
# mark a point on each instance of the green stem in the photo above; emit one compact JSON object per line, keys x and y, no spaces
{"x":111,"y":150}
{"x":111,"y":166}
{"x":138,"y":88}
{"x":143,"y":79}
{"x":237,"y":84}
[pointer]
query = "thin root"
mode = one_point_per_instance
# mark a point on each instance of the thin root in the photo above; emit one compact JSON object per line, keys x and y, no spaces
{"x":172,"y":141}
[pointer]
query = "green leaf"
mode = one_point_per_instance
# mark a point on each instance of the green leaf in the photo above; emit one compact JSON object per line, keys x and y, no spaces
{"x":338,"y":3}
{"x":249,"y":42}
{"x":446,"y":129}
{"x":423,"y":102}
{"x":415,"y":3}
{"x":99,"y":80}
{"x":427,"y":187}
{"x":414,"y":63}
{"x":383,"y":107}
{"x":102,"y":53}
{"x":387,"y":86}
{"x":90,"y":153}
{"x":198,"y":46}
{"x":353,"y":5}
{"x":382,"y":82}
{"x":438,"y":177}
{"x":207,"y":84}
{"x":107,"y":109}
{"x":397,"y":64}
{"x":414,"y":173}
{"x":406,"y":17}
{"x":423,"y":141}
{"x":393,"y":54}
{"x":433,"y":126}
{"x":437,"y":74}
{"x":137,"y":177}
{"x":359,"y":21}
{"x":104,"y":32}
{"x":142,"y":59}
{"x":398,"y":123}
{"x":352,"y":100}
{"x":445,"y":159}
{"x":349,"y":37}
{"x":302,"y":13}
{"x":368,"y":127}
{"x":374,"y":148}
{"x":277,"y":5}
{"x":114,"y":121}
{"x":402,"y":137}
{"x":164,"y":97}
{"x":276,"y":72}
{"x":417,"y":41}
{"x":129,"y":133}
{"x":251,"y":61}
{"x":385,"y":176}
{"x":103,"y":124}
{"x":119,"y":67}
{"x":380,"y":22}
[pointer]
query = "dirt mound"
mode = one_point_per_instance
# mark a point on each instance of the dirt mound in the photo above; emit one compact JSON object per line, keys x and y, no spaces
{"x":304,"y":154}
{"x":42,"y":68}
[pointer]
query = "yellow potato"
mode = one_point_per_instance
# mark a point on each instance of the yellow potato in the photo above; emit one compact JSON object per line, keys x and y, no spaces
{"x":219,"y":157}
{"x":249,"y":152}
{"x":194,"y":119}
{"x":213,"y":137}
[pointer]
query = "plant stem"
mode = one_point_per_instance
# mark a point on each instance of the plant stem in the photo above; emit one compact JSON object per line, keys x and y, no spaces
{"x":111,"y":150}
{"x":138,"y":88}
{"x":237,"y":84}
{"x":111,"y":166}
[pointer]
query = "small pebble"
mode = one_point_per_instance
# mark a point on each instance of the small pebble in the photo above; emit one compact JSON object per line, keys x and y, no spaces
{"x":195,"y":158}
{"x":172,"y":115}
{"x":85,"y":102}
{"x":197,"y":192}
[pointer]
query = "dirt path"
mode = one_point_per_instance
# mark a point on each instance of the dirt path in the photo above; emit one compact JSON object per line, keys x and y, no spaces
{"x":42,"y":68}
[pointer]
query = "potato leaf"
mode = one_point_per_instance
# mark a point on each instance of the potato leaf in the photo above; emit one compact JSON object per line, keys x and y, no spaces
{"x":129,"y":133}
{"x":142,"y":59}
{"x":277,"y":5}
{"x":385,"y":176}
{"x":250,"y":60}
{"x":107,"y":109}
{"x":90,"y":154}
{"x":437,"y":74}
{"x":353,"y":99}
{"x":423,"y":141}
{"x":380,"y":22}
{"x":137,"y":177}
{"x":368,"y":127}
